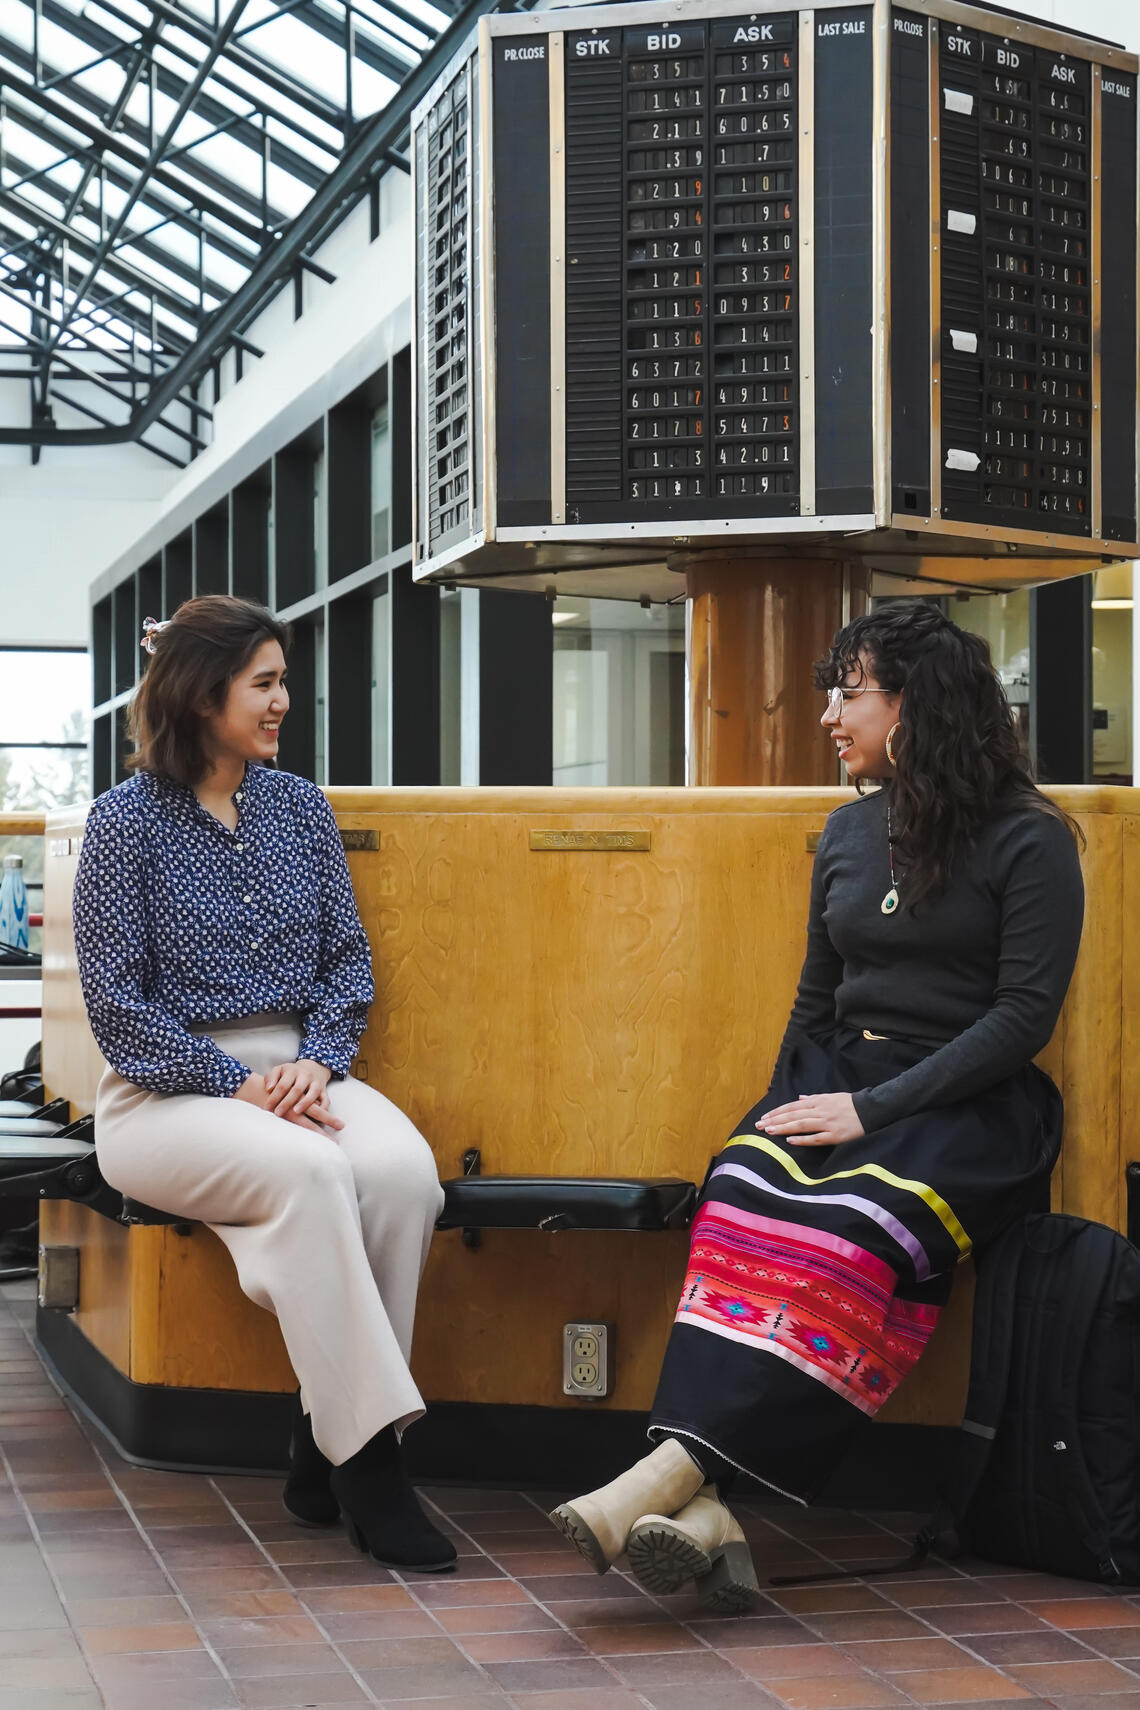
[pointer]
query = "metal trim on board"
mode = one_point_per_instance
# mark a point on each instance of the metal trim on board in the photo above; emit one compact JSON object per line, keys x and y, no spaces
{"x":935,"y":282}
{"x":707,"y":532}
{"x":805,"y":187}
{"x":474,"y":505}
{"x":485,"y":316}
{"x":1062,"y":545}
{"x":1096,"y":497}
{"x":557,"y":75}
{"x":975,"y":17}
{"x":1136,"y":464}
{"x":880,"y":262}
{"x":1055,"y":39}
{"x":419,"y":464}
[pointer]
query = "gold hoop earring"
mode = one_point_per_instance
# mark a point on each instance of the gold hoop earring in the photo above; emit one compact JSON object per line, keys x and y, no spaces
{"x":891,"y":734}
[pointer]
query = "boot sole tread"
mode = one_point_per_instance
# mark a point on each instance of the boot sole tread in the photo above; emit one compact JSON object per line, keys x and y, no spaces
{"x":664,"y":1561}
{"x":570,"y":1523}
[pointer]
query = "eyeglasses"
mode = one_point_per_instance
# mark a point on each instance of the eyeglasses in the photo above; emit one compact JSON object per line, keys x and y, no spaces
{"x":838,"y":697}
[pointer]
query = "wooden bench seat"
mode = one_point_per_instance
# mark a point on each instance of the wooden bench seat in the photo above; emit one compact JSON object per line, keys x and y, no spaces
{"x":578,"y":984}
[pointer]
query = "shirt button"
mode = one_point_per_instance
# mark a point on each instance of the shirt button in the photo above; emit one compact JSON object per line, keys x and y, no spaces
{"x":247,"y":899}
{"x":239,"y":847}
{"x":254,"y":943}
{"x":237,"y":795}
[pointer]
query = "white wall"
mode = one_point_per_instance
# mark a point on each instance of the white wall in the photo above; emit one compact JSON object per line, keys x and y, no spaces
{"x":58,"y":526}
{"x":348,"y":330}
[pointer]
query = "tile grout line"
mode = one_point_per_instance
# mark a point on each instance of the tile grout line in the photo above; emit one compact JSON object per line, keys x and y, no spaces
{"x":667,"y":1615}
{"x":128,"y":1508}
{"x":333,"y":1644}
{"x":37,"y":1536}
{"x":960,"y":1641}
{"x":452,"y":1521}
{"x":953,"y":1573}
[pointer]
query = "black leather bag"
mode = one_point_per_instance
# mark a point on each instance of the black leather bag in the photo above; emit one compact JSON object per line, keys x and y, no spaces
{"x":1047,"y":1475}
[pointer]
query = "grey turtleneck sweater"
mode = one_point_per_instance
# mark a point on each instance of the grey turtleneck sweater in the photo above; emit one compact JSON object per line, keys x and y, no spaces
{"x":979,"y":972}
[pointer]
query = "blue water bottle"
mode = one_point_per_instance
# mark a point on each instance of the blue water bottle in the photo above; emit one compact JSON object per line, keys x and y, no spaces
{"x":14,"y":904}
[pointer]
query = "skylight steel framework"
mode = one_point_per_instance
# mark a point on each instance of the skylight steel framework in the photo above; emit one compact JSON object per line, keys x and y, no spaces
{"x":164,"y":165}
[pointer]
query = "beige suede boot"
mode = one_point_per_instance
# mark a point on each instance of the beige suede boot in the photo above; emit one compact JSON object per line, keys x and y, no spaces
{"x":598,"y":1525}
{"x":703,"y":1543}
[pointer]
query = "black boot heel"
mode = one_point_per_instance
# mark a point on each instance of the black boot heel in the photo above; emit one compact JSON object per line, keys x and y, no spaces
{"x":382,"y":1512}
{"x":730,"y":1586}
{"x":307,"y":1496}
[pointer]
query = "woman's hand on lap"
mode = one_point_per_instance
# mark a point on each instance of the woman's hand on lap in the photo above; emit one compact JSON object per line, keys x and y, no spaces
{"x":298,"y":1097}
{"x":297,"y":1092}
{"x":816,"y":1119}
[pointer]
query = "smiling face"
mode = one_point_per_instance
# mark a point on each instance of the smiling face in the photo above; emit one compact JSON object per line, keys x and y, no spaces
{"x":248,"y":725}
{"x":860,"y":720}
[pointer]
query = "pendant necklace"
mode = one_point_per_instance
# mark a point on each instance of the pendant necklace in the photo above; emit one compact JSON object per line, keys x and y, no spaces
{"x":891,"y":901}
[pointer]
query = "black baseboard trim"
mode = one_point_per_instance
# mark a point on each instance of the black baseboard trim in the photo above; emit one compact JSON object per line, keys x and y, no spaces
{"x":458,"y":1442}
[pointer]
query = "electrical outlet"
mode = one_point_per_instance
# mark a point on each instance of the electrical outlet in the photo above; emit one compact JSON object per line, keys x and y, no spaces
{"x":586,"y":1360}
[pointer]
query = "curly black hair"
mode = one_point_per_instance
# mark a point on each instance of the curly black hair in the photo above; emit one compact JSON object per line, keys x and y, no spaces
{"x":957,"y":754}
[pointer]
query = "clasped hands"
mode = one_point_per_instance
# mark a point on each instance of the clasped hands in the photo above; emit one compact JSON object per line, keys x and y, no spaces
{"x":815,"y":1119}
{"x":295,"y":1091}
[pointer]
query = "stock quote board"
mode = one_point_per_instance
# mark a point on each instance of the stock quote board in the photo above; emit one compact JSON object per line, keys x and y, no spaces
{"x":853,"y":277}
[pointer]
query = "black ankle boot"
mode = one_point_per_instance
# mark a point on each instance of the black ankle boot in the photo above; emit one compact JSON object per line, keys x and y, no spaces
{"x":307,"y":1495}
{"x":382,"y":1511}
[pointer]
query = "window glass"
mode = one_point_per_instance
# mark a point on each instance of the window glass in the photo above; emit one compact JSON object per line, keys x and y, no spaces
{"x":45,"y":702}
{"x":1003,"y":621}
{"x":619,"y":692}
{"x":450,"y":686}
{"x":381,"y":483}
{"x":381,"y":608}
{"x":1112,"y":674}
{"x":320,"y":515}
{"x":320,"y":710}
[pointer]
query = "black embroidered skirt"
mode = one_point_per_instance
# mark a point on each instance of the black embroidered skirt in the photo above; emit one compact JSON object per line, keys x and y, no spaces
{"x":817,"y":1274}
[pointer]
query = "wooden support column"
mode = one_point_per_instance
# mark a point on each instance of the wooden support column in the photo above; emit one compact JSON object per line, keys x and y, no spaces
{"x":757,"y":625}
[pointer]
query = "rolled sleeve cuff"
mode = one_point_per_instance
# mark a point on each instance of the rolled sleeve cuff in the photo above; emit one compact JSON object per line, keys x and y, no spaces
{"x":228,"y":1076}
{"x":336,"y":1055}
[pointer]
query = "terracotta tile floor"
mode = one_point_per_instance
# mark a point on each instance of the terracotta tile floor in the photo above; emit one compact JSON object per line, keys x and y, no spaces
{"x":129,"y":1590}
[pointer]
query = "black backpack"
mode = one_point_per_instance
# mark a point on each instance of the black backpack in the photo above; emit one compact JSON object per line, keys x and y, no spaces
{"x":1046,"y":1473}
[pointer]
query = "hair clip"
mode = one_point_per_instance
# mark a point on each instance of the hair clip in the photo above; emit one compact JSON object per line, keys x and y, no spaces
{"x":152,"y":629}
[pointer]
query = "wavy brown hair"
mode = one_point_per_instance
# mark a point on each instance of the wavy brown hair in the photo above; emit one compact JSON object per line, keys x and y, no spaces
{"x":958,"y":758}
{"x":196,"y":658}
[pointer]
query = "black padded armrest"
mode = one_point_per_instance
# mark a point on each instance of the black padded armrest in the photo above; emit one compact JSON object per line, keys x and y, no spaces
{"x":567,"y":1202}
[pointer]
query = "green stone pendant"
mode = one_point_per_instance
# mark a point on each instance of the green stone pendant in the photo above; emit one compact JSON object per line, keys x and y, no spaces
{"x":890,"y":901}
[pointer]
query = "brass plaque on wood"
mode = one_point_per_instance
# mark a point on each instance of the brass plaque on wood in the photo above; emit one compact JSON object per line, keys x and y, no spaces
{"x":360,"y":839}
{"x":590,"y":842}
{"x":812,"y":840}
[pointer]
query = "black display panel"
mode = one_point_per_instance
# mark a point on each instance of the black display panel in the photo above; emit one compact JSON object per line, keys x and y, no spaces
{"x":1016,"y":165}
{"x":681,"y":285}
{"x":1118,"y":354}
{"x":844,"y":284}
{"x":444,"y":173}
{"x":910,"y":264}
{"x":521,"y":131}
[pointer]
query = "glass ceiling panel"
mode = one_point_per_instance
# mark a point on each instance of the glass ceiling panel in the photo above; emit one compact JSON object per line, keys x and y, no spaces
{"x":130,"y":234}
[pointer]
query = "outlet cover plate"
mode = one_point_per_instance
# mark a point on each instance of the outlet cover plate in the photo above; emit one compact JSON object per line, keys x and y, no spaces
{"x":586,"y":1352}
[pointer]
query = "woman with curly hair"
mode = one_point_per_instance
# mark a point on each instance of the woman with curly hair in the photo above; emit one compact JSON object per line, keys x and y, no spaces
{"x":905,"y":1124}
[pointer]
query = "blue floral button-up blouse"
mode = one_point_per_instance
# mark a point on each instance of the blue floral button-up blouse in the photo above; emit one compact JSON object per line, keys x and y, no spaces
{"x":180,"y":921}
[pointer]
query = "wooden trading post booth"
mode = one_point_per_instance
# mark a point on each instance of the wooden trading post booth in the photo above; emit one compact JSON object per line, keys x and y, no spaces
{"x":749,"y":303}
{"x":743,"y":304}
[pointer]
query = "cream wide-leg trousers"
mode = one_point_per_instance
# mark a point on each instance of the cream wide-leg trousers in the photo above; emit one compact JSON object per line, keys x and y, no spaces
{"x":329,"y":1233}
